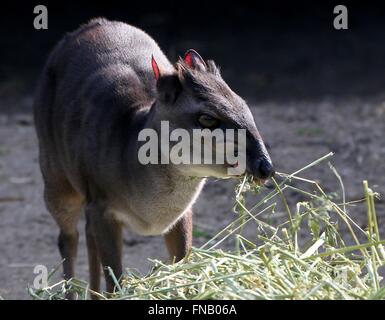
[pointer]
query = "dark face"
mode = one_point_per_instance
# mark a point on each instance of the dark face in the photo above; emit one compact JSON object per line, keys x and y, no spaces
{"x":217,"y":106}
{"x":237,"y":115}
{"x":205,"y":101}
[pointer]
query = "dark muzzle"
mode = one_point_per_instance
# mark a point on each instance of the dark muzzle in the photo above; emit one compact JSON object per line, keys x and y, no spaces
{"x":259,"y":164}
{"x":263,"y":168}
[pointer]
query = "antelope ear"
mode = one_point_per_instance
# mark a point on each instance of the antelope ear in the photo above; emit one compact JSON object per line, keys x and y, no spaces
{"x":169,"y":88}
{"x":194,"y":60}
{"x":155,"y":68}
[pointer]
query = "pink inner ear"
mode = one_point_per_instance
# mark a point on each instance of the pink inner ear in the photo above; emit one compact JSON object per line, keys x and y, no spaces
{"x":188,"y":60}
{"x":155,"y":68}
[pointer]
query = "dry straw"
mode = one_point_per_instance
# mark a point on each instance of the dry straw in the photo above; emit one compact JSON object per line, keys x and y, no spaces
{"x":274,"y":265}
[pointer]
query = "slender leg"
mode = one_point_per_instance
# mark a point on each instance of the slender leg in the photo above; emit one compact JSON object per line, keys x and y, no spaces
{"x":108,"y":240}
{"x":65,"y":206}
{"x":93,"y":257}
{"x":68,"y":242}
{"x":179,"y":238}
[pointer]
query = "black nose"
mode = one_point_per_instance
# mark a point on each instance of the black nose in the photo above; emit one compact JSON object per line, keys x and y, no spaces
{"x":265,"y":168}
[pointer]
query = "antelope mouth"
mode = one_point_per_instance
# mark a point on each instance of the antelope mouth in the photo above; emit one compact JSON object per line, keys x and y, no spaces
{"x":234,"y":165}
{"x":253,"y":179}
{"x":257,"y":181}
{"x":260,"y":182}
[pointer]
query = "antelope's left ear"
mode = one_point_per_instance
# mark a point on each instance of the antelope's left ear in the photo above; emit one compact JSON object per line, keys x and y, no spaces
{"x":155,"y":68}
{"x":194,"y":60}
{"x":167,"y":85}
{"x":169,"y":88}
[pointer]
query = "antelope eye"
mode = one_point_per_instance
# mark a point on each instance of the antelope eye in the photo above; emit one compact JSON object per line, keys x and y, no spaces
{"x":207,"y":121}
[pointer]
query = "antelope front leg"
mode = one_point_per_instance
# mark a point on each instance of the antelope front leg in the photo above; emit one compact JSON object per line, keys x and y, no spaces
{"x":93,"y":255}
{"x":107,"y":237}
{"x":179,"y":238}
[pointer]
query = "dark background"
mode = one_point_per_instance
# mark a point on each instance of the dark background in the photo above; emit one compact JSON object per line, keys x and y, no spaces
{"x":280,"y":49}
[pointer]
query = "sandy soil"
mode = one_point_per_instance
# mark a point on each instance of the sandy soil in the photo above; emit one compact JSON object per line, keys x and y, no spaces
{"x":297,"y":133}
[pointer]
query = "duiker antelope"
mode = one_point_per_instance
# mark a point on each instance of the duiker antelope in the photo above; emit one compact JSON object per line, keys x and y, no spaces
{"x":103,"y":84}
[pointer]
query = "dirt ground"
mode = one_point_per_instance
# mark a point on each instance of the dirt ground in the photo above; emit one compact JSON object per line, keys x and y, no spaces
{"x":297,"y":133}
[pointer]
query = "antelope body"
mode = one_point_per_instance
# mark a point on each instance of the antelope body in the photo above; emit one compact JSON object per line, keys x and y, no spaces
{"x":97,"y":91}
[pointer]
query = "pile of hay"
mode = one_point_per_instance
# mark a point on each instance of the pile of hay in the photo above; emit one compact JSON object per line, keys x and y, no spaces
{"x":275,"y":265}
